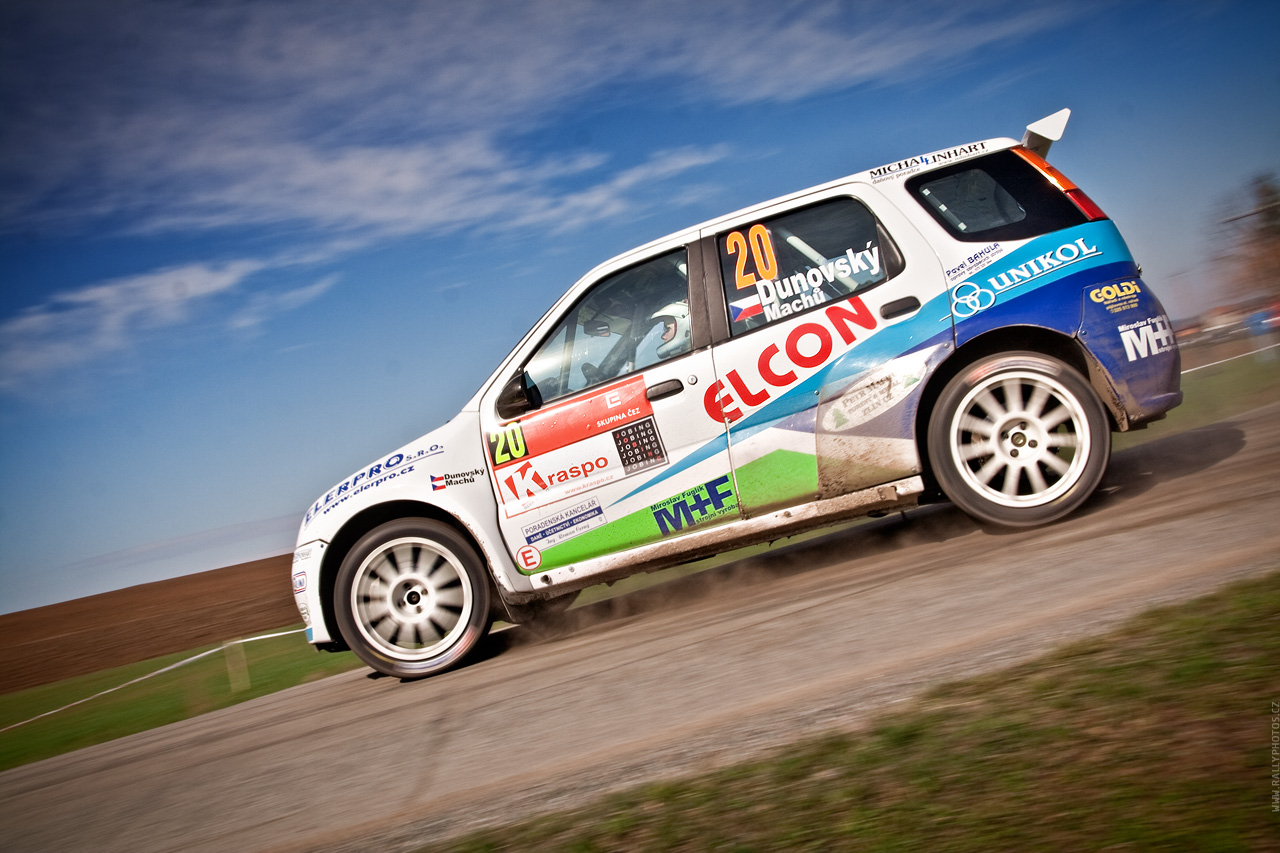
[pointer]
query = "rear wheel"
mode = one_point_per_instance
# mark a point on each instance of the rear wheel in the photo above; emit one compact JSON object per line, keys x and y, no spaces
{"x":412,"y":598}
{"x":1018,"y":439}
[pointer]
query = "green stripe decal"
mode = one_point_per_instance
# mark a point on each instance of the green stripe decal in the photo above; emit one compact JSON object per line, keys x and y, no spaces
{"x":779,"y":479}
{"x":708,"y":503}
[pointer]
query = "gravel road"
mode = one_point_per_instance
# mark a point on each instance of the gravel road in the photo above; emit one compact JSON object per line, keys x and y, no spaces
{"x":674,"y":679}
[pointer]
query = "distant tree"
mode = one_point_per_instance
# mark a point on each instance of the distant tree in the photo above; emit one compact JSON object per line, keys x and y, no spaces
{"x":1255,"y":242}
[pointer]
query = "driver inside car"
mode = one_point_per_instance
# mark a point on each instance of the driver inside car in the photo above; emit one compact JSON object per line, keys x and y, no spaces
{"x":675,"y":330}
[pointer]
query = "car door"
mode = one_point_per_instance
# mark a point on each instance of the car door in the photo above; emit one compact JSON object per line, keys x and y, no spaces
{"x":834,"y":311}
{"x":612,"y":451}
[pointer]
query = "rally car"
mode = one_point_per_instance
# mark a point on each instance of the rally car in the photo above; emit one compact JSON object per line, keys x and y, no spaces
{"x":965,"y":322}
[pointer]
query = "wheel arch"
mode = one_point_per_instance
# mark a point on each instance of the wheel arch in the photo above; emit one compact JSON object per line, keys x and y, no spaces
{"x":361,"y":523}
{"x":1039,"y":339}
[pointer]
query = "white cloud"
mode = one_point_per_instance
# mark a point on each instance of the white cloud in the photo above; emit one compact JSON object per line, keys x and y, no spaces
{"x":78,"y":326}
{"x":401,"y":117}
{"x":612,"y":197}
{"x":790,"y":52}
{"x":351,"y":123}
{"x":263,"y":306}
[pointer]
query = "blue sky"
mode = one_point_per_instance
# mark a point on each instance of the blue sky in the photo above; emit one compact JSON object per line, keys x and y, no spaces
{"x":247,"y":247}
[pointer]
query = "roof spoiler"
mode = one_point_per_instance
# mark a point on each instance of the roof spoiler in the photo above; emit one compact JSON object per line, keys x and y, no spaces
{"x":1043,"y":133}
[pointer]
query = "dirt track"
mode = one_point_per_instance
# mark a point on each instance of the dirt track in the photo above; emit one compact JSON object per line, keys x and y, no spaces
{"x":678,"y":678}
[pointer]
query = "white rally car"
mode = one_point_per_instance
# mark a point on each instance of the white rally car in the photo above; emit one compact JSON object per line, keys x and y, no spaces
{"x":964,"y":322}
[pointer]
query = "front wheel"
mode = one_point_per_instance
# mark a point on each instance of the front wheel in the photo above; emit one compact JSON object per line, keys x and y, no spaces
{"x":1018,"y":439}
{"x":412,"y":598}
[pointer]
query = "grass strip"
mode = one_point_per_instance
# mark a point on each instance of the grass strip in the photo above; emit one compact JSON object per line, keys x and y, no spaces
{"x":1216,"y":393}
{"x":241,"y":673}
{"x":1154,"y":737}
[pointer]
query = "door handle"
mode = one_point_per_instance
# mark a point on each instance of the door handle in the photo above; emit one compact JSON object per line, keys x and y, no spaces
{"x":664,"y":389}
{"x":898,"y":307}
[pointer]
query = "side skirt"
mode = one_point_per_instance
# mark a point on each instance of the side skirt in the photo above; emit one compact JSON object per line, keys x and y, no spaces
{"x":714,"y":540}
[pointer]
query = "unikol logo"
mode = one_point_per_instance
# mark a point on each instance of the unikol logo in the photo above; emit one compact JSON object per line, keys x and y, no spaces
{"x":969,"y":298}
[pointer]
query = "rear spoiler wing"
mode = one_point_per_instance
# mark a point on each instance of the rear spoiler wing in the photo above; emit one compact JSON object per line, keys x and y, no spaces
{"x":1043,"y":133}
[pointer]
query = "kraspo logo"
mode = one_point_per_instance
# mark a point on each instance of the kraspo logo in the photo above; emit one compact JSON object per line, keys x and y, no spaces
{"x":527,"y":482}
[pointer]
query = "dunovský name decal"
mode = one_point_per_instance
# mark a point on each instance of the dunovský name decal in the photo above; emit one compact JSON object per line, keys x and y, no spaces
{"x":441,"y":481}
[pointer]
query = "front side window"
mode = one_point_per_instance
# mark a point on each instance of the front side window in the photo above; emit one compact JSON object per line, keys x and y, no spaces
{"x":627,"y":322}
{"x":788,"y":264}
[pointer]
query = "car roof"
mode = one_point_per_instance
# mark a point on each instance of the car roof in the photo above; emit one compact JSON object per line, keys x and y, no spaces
{"x":884,"y":174}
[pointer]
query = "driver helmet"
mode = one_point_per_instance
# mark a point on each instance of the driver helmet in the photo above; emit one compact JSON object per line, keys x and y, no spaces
{"x":675,"y":331}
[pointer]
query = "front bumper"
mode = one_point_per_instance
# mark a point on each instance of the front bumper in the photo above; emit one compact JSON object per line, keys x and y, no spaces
{"x":307,"y":560}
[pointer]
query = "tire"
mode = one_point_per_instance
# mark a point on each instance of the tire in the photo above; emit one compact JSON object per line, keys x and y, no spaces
{"x":413,"y":598}
{"x":1018,"y":439}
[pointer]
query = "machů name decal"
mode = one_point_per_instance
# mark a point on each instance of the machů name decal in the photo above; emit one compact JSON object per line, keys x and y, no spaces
{"x":786,"y":295}
{"x":441,"y":481}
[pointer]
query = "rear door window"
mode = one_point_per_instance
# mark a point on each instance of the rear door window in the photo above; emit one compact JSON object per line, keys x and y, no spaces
{"x":997,"y":197}
{"x":789,"y":264}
